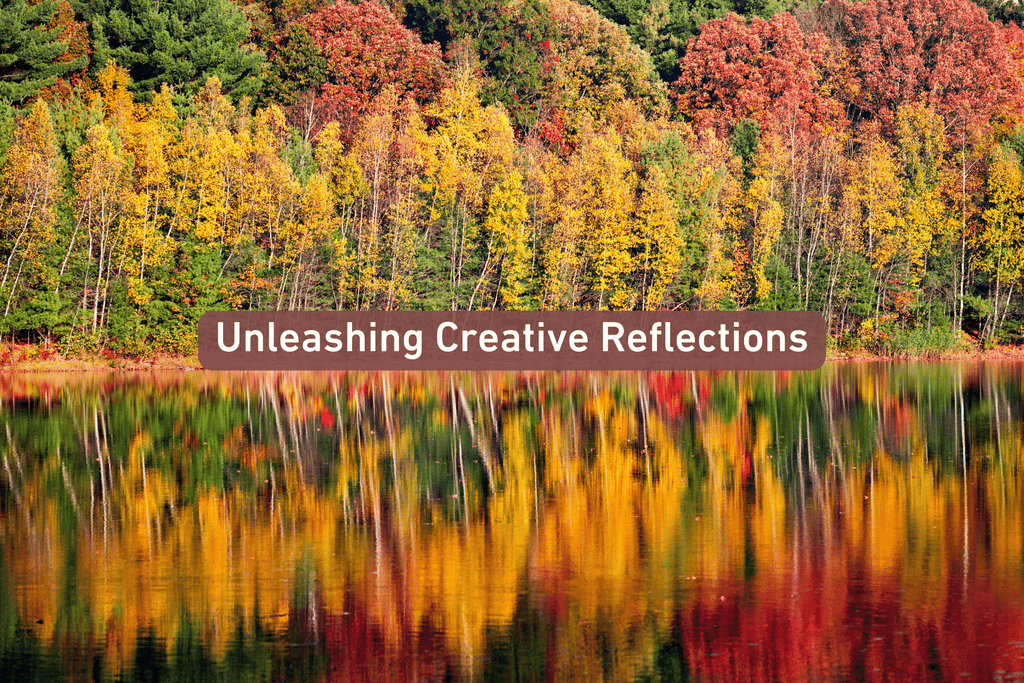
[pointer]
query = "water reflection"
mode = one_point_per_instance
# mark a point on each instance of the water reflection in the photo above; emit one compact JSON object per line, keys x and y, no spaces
{"x":864,"y":522}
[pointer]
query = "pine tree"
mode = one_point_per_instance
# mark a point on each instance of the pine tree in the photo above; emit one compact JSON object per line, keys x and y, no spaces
{"x":29,"y":49}
{"x":178,"y":42}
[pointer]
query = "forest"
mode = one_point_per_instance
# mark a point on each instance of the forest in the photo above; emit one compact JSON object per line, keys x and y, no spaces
{"x":161,"y":160}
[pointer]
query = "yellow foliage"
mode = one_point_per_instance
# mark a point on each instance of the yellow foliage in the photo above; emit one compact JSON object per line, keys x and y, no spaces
{"x":29,"y":191}
{"x":999,"y":247}
{"x":874,"y":202}
{"x":508,"y":250}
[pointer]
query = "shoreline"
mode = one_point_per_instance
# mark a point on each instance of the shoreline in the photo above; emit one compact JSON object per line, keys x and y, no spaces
{"x":29,"y":358}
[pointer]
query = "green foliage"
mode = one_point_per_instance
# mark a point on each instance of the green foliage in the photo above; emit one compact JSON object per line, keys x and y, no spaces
{"x":746,"y":138}
{"x":30,"y":49}
{"x":1002,"y":10}
{"x":515,"y":44}
{"x":294,"y":66}
{"x":783,"y":295}
{"x":178,"y":42}
{"x":40,"y":313}
{"x":7,"y":118}
{"x":893,"y":340}
{"x":299,"y":155}
{"x":662,"y":27}
{"x":444,"y":22}
{"x":72,"y":118}
{"x":517,"y":52}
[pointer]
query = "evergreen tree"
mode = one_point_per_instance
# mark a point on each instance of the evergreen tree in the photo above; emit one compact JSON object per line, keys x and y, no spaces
{"x":515,"y":43}
{"x":29,"y":49}
{"x":178,"y":42}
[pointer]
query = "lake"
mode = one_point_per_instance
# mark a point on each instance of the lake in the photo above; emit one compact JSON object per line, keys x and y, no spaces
{"x":864,"y":522}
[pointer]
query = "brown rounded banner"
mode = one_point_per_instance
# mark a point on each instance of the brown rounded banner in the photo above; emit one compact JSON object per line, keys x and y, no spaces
{"x":492,"y":340}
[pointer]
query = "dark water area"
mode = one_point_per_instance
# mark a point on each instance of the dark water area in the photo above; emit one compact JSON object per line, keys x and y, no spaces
{"x":860,"y":523}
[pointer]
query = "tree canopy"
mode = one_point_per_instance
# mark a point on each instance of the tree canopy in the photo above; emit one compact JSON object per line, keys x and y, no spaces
{"x":180,"y":43}
{"x":35,"y":49}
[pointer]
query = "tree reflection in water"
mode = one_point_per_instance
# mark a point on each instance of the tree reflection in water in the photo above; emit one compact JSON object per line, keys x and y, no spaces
{"x":862,"y":522}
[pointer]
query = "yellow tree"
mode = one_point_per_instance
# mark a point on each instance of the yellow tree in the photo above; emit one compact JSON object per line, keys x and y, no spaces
{"x":507,"y":267}
{"x":372,"y":148}
{"x":923,"y":149}
{"x":147,"y":214}
{"x":405,"y":206}
{"x":714,"y":189}
{"x":380,"y":237}
{"x":145,"y":134}
{"x":762,"y":212}
{"x":599,"y":67}
{"x":587,"y":253}
{"x":999,"y":247}
{"x":205,"y":166}
{"x":659,"y":238}
{"x":873,"y":202}
{"x":101,"y":190}
{"x":465,"y":156}
{"x":609,"y":195}
{"x":344,"y":179}
{"x":267,"y":191}
{"x":306,"y":238}
{"x":30,"y":190}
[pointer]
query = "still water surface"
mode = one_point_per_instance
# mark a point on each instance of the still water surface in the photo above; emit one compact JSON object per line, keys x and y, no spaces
{"x":860,"y":523}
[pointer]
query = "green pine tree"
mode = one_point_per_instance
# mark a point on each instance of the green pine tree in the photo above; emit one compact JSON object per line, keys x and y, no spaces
{"x":178,"y":42}
{"x":29,"y":50}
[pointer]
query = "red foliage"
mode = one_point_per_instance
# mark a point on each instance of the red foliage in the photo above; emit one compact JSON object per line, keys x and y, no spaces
{"x":669,"y":390}
{"x":551,"y":130}
{"x":1013,"y":36}
{"x":368,"y":48}
{"x":769,"y":71}
{"x":326,"y":419}
{"x":946,"y":49}
{"x":76,"y":34}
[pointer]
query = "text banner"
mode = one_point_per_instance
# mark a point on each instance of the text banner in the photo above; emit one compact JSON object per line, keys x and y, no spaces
{"x":490,"y":340}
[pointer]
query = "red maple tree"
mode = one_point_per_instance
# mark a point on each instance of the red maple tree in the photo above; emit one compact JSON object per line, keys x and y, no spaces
{"x":368,"y":48}
{"x":767,"y":71}
{"x":945,"y":50}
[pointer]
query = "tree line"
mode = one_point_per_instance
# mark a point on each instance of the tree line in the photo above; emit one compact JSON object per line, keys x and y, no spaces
{"x":858,"y":159}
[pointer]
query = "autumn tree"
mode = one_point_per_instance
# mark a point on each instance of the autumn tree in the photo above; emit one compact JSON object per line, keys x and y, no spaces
{"x":366,"y":48}
{"x":388,"y":151}
{"x":599,"y":68}
{"x":506,"y":272}
{"x":999,"y":246}
{"x":948,"y":51}
{"x":873,"y":202}
{"x":30,"y":191}
{"x":343,"y":179}
{"x":703,"y":179}
{"x":615,"y":240}
{"x":101,"y":191}
{"x":660,"y":240}
{"x":762,"y":216}
{"x":468,"y":153}
{"x":766,"y":71}
{"x":924,"y":150}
